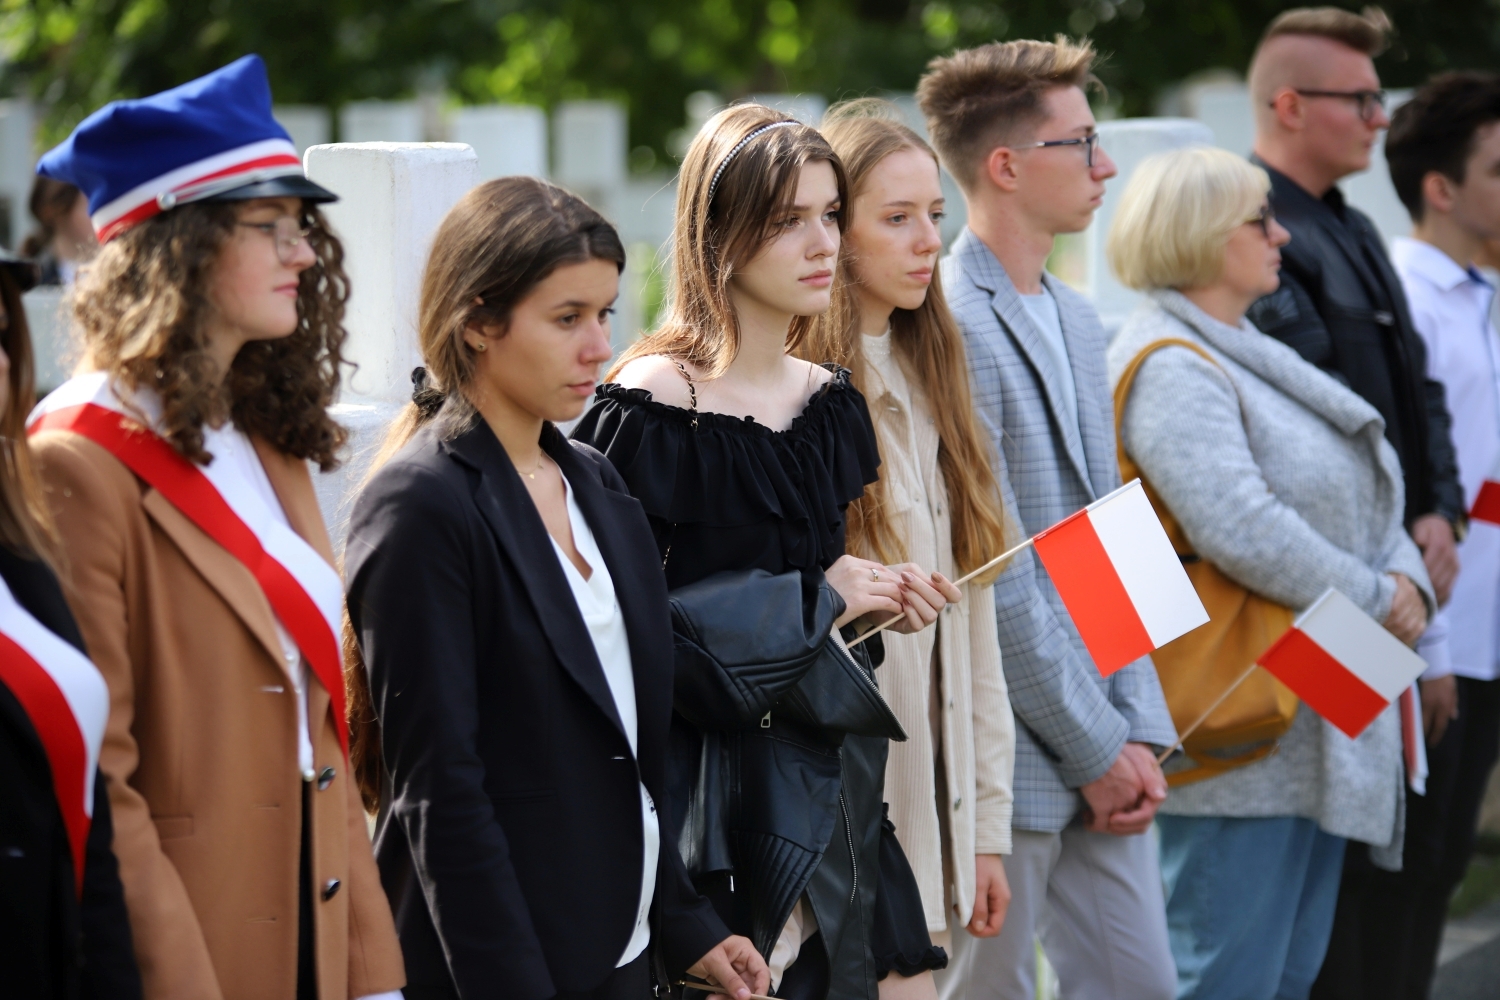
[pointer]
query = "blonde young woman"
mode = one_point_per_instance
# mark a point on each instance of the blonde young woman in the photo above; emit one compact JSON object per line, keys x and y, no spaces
{"x":936,"y":506}
{"x":745,"y":458}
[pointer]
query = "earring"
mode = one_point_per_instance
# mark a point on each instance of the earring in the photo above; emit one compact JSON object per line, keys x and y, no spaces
{"x":481,"y":346}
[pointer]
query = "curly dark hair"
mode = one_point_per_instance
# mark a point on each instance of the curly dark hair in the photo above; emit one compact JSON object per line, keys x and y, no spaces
{"x":143,"y":306}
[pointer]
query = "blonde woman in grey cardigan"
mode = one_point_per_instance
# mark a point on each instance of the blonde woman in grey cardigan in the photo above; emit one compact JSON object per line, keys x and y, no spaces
{"x":1282,"y":478}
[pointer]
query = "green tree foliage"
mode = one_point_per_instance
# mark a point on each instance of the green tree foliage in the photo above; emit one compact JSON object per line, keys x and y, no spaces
{"x":77,"y":54}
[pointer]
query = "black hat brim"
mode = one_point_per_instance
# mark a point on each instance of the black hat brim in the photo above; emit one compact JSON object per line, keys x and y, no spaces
{"x":290,"y":186}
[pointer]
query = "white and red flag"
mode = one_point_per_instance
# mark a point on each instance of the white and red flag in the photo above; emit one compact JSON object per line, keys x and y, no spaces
{"x":1343,"y":663}
{"x":1117,"y":572}
{"x":1487,"y":500}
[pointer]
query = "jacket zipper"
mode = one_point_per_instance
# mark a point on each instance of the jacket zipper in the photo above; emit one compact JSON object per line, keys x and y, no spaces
{"x":849,"y":837}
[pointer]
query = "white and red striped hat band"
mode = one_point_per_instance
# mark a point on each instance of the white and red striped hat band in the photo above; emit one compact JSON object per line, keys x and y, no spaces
{"x":206,"y":178}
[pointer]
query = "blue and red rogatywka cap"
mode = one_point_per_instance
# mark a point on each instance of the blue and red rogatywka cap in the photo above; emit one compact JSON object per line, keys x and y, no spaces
{"x":211,"y":139}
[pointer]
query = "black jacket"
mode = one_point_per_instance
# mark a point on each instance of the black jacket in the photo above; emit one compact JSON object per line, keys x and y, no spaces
{"x":1341,"y":306}
{"x":53,"y":946}
{"x":509,"y":841}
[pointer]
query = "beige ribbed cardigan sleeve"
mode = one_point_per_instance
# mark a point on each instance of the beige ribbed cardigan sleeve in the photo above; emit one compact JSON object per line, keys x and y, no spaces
{"x":994,"y":727}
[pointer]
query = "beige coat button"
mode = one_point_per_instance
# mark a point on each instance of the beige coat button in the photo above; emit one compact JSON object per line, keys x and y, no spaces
{"x":325,"y":778}
{"x":330,"y":889}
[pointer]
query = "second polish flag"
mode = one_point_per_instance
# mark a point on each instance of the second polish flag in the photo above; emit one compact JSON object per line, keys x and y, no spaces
{"x":1117,"y":572}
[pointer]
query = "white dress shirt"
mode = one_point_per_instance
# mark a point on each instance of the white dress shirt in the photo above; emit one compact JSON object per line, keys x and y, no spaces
{"x":601,"y":613}
{"x":1450,"y":305}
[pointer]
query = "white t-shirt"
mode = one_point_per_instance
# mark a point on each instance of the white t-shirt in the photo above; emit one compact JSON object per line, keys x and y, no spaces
{"x":601,"y":613}
{"x":1043,"y":311}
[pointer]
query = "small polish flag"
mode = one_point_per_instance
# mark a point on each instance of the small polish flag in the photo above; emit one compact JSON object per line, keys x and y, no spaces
{"x":1342,"y":663}
{"x":1487,"y":502}
{"x":1115,"y":569}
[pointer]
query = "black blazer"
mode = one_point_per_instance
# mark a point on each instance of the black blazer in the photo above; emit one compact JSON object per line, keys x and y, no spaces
{"x":1341,"y":306}
{"x":509,"y":838}
{"x":52,"y":944}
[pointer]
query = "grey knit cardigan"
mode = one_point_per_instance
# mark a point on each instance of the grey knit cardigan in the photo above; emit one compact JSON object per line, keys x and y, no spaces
{"x":1282,"y":477}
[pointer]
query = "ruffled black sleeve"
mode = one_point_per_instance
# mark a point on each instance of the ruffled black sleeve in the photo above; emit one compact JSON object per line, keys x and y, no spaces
{"x":734,"y":474}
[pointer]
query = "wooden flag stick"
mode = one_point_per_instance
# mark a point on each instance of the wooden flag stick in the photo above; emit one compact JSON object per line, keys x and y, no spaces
{"x":1182,"y":736}
{"x":957,"y":583}
{"x":716,"y":989}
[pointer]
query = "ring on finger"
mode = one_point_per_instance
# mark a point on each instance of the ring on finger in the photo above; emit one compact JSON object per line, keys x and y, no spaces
{"x":874,"y":574}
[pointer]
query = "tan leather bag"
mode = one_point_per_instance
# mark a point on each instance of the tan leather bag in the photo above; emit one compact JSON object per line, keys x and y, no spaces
{"x":1199,"y":666}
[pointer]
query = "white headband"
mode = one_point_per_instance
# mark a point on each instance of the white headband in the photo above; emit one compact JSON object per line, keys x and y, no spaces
{"x":713,"y":185}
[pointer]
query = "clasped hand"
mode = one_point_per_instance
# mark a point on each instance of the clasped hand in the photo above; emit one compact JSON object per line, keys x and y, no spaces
{"x":880,"y":591}
{"x":1124,"y":799}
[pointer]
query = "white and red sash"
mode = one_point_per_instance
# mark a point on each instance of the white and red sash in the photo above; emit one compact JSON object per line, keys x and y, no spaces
{"x":303,"y":590}
{"x":67,"y":701}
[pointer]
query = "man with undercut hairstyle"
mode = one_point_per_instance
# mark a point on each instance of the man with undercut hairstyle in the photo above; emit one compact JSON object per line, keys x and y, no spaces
{"x":1012,"y":123}
{"x":1443,"y":150}
{"x":1318,"y":111}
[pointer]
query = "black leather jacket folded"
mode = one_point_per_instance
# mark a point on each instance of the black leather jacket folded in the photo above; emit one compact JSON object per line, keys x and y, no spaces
{"x":782,"y":770}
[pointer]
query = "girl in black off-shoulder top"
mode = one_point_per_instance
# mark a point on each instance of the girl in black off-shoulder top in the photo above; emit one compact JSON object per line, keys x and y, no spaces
{"x":781,"y":816}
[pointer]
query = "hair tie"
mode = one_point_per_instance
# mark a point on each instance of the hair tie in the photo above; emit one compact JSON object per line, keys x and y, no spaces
{"x":713,"y":185}
{"x":427,"y":398}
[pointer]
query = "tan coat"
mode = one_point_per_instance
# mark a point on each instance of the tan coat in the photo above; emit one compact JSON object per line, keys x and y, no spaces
{"x":975,"y":724}
{"x":201,"y":746}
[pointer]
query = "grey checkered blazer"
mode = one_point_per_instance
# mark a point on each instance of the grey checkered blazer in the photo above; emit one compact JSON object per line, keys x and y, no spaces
{"x":1071,"y":723}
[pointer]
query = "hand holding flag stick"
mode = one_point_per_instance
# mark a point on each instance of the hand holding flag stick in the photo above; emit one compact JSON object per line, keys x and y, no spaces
{"x":957,"y":583}
{"x":1117,"y":573}
{"x":705,"y":987}
{"x":1345,"y":665}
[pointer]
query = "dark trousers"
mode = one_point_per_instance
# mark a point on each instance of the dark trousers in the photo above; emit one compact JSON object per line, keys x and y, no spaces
{"x":1389,"y":925}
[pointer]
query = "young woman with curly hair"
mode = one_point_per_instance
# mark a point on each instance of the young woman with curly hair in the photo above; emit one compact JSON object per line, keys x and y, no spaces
{"x":197,"y":562}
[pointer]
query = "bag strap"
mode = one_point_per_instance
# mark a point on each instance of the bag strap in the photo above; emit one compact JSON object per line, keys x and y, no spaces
{"x":1127,"y":380}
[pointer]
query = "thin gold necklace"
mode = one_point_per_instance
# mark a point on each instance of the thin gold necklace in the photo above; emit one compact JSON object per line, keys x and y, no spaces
{"x":538,"y":467}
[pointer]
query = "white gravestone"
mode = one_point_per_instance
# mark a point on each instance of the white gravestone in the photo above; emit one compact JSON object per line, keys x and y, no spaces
{"x":381,"y":121}
{"x":392,"y":198}
{"x":308,"y":124}
{"x":590,"y":148}
{"x":509,"y":139}
{"x":17,"y":163}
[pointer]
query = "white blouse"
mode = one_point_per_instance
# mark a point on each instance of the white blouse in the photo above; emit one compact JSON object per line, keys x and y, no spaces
{"x":601,"y":613}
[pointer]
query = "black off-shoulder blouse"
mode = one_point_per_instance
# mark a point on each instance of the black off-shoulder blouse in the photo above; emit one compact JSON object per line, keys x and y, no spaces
{"x":732,"y":494}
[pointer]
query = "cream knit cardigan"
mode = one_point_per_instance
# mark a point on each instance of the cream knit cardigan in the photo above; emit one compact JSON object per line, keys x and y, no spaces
{"x":977,"y":728}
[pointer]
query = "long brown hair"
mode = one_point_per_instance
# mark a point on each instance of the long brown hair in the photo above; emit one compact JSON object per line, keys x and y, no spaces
{"x":25,"y":520}
{"x":927,"y":345}
{"x":720,"y":227}
{"x":143,"y":307}
{"x":492,"y":249}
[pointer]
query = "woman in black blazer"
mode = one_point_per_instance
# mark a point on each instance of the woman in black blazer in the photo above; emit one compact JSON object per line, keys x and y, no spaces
{"x":61,"y":937}
{"x":508,"y":603}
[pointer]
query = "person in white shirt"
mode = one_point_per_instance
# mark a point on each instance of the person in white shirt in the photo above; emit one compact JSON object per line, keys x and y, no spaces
{"x":1444,"y":155}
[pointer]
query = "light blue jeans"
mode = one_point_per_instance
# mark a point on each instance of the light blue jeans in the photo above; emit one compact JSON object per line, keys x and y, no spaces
{"x":1250,"y":904}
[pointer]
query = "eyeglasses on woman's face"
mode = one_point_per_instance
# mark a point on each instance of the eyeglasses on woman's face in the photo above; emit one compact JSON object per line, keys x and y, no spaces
{"x":1368,"y":102}
{"x":1263,"y":218}
{"x":1090,"y":144}
{"x":287,"y":232}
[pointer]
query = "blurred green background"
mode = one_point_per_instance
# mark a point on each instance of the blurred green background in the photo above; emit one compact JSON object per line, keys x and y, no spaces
{"x":74,"y":55}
